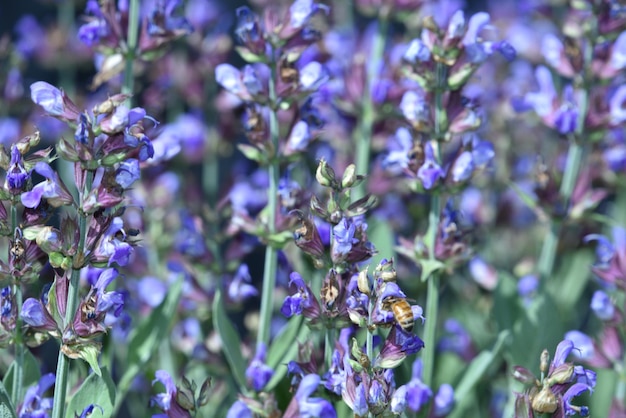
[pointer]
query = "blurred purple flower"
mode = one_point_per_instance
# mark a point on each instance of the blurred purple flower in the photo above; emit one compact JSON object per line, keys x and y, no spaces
{"x":444,"y":400}
{"x":151,"y":291}
{"x":35,"y":405}
{"x":430,"y":172}
{"x":9,"y":130}
{"x":239,"y":410}
{"x":258,"y":372}
{"x":17,"y":176}
{"x":303,"y":405}
{"x":397,"y":159}
{"x":167,"y":401}
{"x":583,"y":345}
{"x":240,"y":288}
{"x":343,"y":234}
{"x":52,"y":189}
{"x":602,"y":305}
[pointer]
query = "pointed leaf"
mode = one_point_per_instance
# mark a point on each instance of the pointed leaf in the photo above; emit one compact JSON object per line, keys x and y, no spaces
{"x":154,"y":328}
{"x":281,"y":369}
{"x":474,"y":372}
{"x":6,"y":407}
{"x":89,"y":353}
{"x":230,"y":339}
{"x":283,"y":341}
{"x":95,"y":390}
{"x":30,"y":372}
{"x":429,"y":267}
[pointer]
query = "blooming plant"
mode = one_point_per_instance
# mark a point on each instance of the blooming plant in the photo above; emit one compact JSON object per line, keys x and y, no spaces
{"x":314,"y":208}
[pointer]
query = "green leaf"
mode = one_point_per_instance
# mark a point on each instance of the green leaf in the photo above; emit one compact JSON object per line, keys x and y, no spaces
{"x":230,"y":339}
{"x":568,"y":283}
{"x":89,"y":353}
{"x":429,"y":267}
{"x":6,"y":407}
{"x":475,"y":372}
{"x":382,"y":236}
{"x":95,"y":390}
{"x":30,"y":372}
{"x":283,"y":341}
{"x":153,"y":329}
{"x":253,"y":153}
{"x":281,"y":370}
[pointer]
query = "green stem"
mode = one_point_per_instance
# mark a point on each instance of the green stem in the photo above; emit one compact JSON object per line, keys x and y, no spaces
{"x":368,"y":116}
{"x":329,"y":345}
{"x":18,"y":370}
{"x":573,"y":164}
{"x":432,"y":294}
{"x":63,"y":364}
{"x":271,"y":260}
{"x":67,"y":70}
{"x":131,"y":49}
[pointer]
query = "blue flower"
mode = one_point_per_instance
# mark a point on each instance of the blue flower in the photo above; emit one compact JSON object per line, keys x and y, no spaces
{"x":239,"y":410}
{"x":128,"y":173}
{"x":312,"y":407}
{"x":602,"y":305}
{"x":343,"y":234}
{"x":17,"y":176}
{"x":444,"y":400}
{"x":258,"y":373}
{"x":35,"y":405}
{"x":240,"y":288}
{"x":430,"y":172}
{"x":52,"y":189}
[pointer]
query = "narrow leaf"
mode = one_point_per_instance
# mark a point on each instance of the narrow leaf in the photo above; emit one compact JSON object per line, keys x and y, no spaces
{"x":475,"y":372}
{"x":7,"y":410}
{"x":283,"y":341}
{"x":281,"y":369}
{"x":30,"y":373}
{"x":230,"y":339}
{"x":152,"y":330}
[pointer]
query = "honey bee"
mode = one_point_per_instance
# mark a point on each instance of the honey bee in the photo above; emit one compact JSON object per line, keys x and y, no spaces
{"x":402,"y":312}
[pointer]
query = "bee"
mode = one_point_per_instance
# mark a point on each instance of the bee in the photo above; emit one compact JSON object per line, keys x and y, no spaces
{"x":402,"y":312}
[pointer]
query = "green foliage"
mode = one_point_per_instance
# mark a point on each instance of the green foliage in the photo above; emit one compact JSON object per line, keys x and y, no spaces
{"x":30,"y":373}
{"x":230,"y":340}
{"x":95,"y":390}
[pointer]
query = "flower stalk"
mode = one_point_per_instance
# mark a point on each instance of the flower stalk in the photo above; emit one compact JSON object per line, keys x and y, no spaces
{"x":368,"y":117}
{"x":63,"y":363}
{"x":18,"y":371}
{"x":271,"y":260}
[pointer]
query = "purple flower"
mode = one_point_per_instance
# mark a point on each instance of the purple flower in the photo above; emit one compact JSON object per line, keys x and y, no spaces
{"x":397,"y":159}
{"x":229,"y":78}
{"x":583,"y":345}
{"x":300,"y":302}
{"x":167,"y":401}
{"x":430,"y":171}
{"x":301,"y":11}
{"x":618,"y":53}
{"x":575,"y":390}
{"x":258,"y":373}
{"x":602,"y":305}
{"x":312,"y":76}
{"x":299,"y":137}
{"x":35,"y":314}
{"x":483,"y":274}
{"x":414,"y":107}
{"x":48,"y":97}
{"x":31,"y":38}
{"x":463,"y":167}
{"x":52,"y":189}
{"x":417,"y":51}
{"x":239,"y":410}
{"x":9,"y":130}
{"x":127,"y":173}
{"x":444,"y":400}
{"x":17,"y":176}
{"x":343,"y":234}
{"x":240,"y":288}
{"x":35,"y":405}
{"x":113,"y":246}
{"x":308,"y":406}
{"x":616,"y":106}
{"x":151,"y":291}
{"x":456,"y":339}
{"x":417,"y":393}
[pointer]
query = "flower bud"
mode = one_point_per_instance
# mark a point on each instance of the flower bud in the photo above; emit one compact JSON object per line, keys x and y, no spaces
{"x":49,"y":240}
{"x":544,"y":361}
{"x":349,"y":176}
{"x":544,"y":402}
{"x":363,"y":282}
{"x":562,"y":374}
{"x":325,"y":175}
